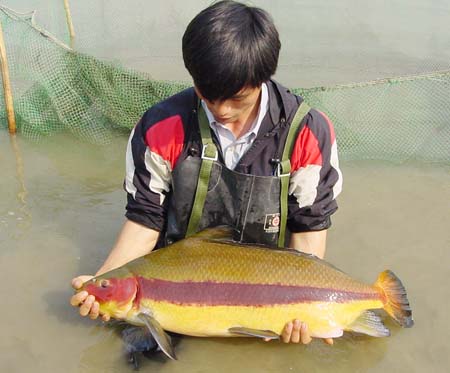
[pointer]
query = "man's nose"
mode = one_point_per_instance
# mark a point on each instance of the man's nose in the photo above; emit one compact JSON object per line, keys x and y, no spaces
{"x":221,"y":108}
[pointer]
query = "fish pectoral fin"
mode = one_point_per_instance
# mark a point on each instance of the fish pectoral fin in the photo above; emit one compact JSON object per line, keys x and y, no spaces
{"x":158,"y":333}
{"x":369,"y":323}
{"x":266,"y":334}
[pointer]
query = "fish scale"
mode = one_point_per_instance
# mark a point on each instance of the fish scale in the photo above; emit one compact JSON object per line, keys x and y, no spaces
{"x":218,"y":262}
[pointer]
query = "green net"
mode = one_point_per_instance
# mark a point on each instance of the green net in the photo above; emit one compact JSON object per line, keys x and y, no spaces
{"x":57,"y":89}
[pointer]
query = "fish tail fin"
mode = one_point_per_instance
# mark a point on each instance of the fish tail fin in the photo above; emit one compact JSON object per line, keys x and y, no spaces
{"x":395,"y":300}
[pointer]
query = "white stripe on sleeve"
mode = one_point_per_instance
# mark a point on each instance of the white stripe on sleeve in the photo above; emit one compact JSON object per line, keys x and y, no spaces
{"x":160,"y":173}
{"x":334,"y":162}
{"x":129,"y":169}
{"x":303,"y":184}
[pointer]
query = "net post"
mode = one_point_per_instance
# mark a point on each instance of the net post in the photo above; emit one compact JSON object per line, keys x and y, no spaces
{"x":7,"y":85}
{"x":69,"y":22}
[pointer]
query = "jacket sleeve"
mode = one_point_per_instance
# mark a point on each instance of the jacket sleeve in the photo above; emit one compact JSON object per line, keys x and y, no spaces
{"x":152,"y":151}
{"x":316,"y":179}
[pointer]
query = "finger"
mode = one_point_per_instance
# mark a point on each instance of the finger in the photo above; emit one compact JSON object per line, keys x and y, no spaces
{"x":267,"y":339}
{"x":95,"y":310}
{"x":329,"y":341}
{"x":286,"y":336}
{"x":295,"y":336}
{"x":87,"y":305}
{"x":78,"y":298}
{"x":106,"y":317}
{"x":78,"y":282}
{"x":304,"y":333}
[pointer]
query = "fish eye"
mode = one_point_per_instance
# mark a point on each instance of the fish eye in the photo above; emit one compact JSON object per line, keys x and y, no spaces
{"x":104,"y":283}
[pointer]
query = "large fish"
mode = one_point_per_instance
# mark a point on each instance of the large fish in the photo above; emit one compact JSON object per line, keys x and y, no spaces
{"x":208,"y":285}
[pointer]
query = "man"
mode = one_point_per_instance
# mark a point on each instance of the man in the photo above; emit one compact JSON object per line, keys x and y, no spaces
{"x":237,"y":149}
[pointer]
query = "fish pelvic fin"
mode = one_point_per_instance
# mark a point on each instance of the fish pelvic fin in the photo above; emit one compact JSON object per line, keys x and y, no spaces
{"x":396,"y":302}
{"x":158,"y":333}
{"x":266,"y":334}
{"x":369,"y":323}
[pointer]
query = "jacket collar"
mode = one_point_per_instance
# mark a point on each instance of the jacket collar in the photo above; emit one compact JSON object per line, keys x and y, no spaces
{"x":282,"y":105}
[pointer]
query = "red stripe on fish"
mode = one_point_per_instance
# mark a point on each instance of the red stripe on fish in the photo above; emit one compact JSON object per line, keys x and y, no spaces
{"x":240,"y":294}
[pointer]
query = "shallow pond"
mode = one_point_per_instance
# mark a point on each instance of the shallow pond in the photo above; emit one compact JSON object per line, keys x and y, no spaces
{"x":62,"y":205}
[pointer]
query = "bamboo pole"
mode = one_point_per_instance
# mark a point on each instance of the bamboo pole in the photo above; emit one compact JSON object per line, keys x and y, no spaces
{"x":7,"y":85}
{"x":26,"y":216}
{"x":69,"y":22}
{"x":22,"y":193}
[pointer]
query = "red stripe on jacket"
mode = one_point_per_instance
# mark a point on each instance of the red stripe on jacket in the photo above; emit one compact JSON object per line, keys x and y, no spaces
{"x":166,"y":138}
{"x":306,"y":150}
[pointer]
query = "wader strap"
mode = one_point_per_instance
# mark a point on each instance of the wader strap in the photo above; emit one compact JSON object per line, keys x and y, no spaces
{"x":284,"y":170}
{"x":209,"y":155}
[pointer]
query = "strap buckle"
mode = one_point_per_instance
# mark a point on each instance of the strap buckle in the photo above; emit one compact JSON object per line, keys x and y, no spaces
{"x":279,"y":174}
{"x":278,"y":169}
{"x":204,"y":156}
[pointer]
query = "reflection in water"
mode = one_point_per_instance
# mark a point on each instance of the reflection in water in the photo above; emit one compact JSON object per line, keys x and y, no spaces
{"x":22,"y":193}
{"x":23,"y":215}
{"x":103,"y":356}
{"x":349,"y":354}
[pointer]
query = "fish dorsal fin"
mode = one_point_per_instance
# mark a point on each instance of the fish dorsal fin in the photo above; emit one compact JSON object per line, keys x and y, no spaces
{"x":369,"y":323}
{"x":221,"y":232}
{"x":158,"y":333}
{"x":266,"y":334}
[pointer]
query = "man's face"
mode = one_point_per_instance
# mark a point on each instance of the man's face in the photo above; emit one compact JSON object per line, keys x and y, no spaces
{"x":235,"y":108}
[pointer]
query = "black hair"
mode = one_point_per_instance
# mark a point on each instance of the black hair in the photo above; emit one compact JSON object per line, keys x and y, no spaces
{"x":229,"y":46}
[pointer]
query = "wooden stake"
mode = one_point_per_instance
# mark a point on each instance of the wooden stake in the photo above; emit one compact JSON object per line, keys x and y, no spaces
{"x":22,"y":193}
{"x":69,"y":22}
{"x":7,"y":85}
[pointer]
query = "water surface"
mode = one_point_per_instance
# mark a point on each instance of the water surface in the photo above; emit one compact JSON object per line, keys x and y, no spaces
{"x":61,"y":209}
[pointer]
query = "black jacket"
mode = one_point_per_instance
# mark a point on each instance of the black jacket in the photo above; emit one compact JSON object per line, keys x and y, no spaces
{"x":168,"y":132}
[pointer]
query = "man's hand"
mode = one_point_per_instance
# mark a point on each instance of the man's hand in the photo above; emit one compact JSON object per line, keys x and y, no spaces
{"x":134,"y":241}
{"x":313,"y":243}
{"x":86,"y":302}
{"x":297,"y":332}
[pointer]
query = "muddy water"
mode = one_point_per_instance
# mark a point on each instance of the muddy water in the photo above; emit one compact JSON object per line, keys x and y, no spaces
{"x":61,"y":205}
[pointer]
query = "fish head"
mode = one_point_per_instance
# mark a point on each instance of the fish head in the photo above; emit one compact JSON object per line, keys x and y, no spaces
{"x":115,"y":291}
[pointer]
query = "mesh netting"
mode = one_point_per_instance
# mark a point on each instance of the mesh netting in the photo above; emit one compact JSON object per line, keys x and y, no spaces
{"x":56,"y":88}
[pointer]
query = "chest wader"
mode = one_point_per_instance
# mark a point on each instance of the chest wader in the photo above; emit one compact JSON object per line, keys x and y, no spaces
{"x":206,"y":193}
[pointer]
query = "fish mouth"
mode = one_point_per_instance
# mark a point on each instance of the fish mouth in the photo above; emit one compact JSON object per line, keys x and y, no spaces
{"x":118,"y":298}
